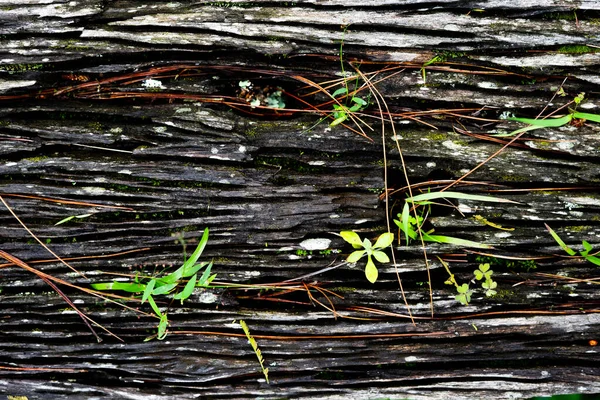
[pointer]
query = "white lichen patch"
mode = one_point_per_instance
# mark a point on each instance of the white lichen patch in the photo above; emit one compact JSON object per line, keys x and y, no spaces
{"x":152,"y":84}
{"x":207,"y":297}
{"x":315,"y":244}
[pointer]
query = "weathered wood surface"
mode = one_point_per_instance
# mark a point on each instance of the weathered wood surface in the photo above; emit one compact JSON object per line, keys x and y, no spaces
{"x":265,"y":185}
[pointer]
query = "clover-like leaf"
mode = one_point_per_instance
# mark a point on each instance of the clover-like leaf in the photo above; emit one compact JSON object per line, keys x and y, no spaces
{"x":489,"y":284}
{"x":464,"y":288}
{"x":381,"y":256}
{"x":384,"y":240}
{"x":478,"y":274}
{"x":366,"y":243}
{"x":352,"y":238}
{"x":371,"y":271}
{"x":355,"y":256}
{"x":462,"y":298}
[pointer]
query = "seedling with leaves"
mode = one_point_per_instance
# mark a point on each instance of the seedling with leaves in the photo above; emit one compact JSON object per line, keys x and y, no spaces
{"x":341,"y":111}
{"x":151,"y":286}
{"x":464,"y":291}
{"x":574,"y":117}
{"x":410,"y":225}
{"x":485,"y":273}
{"x":585,"y":253}
{"x":368,"y":249}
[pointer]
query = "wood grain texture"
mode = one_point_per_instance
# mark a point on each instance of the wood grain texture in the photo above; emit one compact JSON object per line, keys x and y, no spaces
{"x":78,"y":124}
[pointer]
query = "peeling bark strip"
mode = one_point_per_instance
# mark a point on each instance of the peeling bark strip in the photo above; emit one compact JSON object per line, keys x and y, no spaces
{"x":133,"y":112}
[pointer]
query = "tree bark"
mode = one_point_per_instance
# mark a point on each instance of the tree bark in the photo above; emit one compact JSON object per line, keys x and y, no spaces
{"x":135,"y":110}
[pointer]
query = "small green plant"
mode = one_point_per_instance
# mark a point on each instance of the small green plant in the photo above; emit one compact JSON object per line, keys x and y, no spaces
{"x":483,"y":273}
{"x":341,"y":111}
{"x":411,"y":225}
{"x":573,"y":117}
{"x":257,"y":351}
{"x":165,"y":285}
{"x":65,"y":220}
{"x":585,"y":253}
{"x":368,"y":249}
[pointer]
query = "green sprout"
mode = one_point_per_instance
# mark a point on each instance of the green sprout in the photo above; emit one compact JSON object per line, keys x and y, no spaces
{"x":585,"y":253}
{"x":167,"y":284}
{"x":368,"y":249}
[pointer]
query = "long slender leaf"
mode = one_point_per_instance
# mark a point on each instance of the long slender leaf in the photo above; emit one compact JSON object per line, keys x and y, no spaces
{"x":455,"y":241}
{"x":587,"y":116}
{"x":190,"y":262}
{"x":187,"y":290}
{"x":560,"y":242}
{"x":205,"y":278}
{"x":545,"y":123}
{"x":126,"y":287}
{"x":404,"y":220}
{"x":162,"y":327}
{"x":456,"y":195}
{"x":154,"y":306}
{"x":164,"y":289}
{"x":148,"y":290}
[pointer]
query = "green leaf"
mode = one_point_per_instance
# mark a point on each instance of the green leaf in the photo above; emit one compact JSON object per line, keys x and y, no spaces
{"x":589,"y":117}
{"x":484,"y":267}
{"x":371,"y":271}
{"x":405,"y":228}
{"x":462,"y":298}
{"x":359,"y":101}
{"x":162,"y":327}
{"x":383,"y":241}
{"x":154,"y":306}
{"x":62,"y":221}
{"x":352,"y":238}
{"x":190,"y":262}
{"x":164,"y":289}
{"x":339,"y":120}
{"x":148,"y":290}
{"x":456,"y":195}
{"x":478,"y":274}
{"x":354,"y":108}
{"x":126,"y":287}
{"x":366,"y":244}
{"x":194,"y":269}
{"x":560,"y":242}
{"x":489,"y":284}
{"x":587,"y":248}
{"x":545,"y":123}
{"x":173,"y":277}
{"x":340,"y":91}
{"x":204,"y":279}
{"x":355,"y":256}
{"x":593,"y":260}
{"x":464,"y":288}
{"x":455,"y":241}
{"x":381,"y":256}
{"x":187,"y":290}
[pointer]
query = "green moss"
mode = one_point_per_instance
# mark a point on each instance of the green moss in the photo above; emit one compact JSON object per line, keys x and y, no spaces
{"x":36,"y":159}
{"x":578,"y":228}
{"x":21,"y":67}
{"x":562,"y":16}
{"x":436,"y":136}
{"x":96,"y":126}
{"x":505,"y":294}
{"x":577,"y":49}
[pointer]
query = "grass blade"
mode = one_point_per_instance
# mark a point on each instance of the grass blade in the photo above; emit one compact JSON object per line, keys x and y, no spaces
{"x":195,"y":255}
{"x":456,"y":195}
{"x":455,"y":241}
{"x":560,"y":242}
